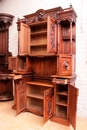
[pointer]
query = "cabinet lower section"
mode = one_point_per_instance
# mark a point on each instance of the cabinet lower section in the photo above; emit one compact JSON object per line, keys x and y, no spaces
{"x":48,"y":99}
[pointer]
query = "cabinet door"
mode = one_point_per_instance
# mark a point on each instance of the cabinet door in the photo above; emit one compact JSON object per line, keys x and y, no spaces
{"x":51,"y":35}
{"x":24,"y":39}
{"x":73,"y":93}
{"x":66,"y":64}
{"x":20,"y":96}
{"x":48,"y":104}
{"x":13,"y":60}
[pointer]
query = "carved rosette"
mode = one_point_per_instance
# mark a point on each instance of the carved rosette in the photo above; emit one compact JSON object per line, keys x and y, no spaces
{"x":66,"y":65}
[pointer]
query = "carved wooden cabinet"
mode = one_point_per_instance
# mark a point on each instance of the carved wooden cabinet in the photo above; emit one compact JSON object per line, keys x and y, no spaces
{"x":47,"y":49}
{"x":6,"y":85}
{"x":40,"y":37}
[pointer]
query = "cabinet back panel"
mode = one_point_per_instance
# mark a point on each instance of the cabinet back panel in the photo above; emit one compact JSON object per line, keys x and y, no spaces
{"x":45,"y":66}
{"x":39,"y":39}
{"x":22,"y":64}
{"x":38,"y":50}
{"x":38,"y":28}
{"x":61,"y":111}
{"x":34,"y":101}
{"x":62,"y":88}
{"x":35,"y":89}
{"x":61,"y":98}
{"x":66,"y":47}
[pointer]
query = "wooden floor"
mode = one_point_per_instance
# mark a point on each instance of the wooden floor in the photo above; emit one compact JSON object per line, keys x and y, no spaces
{"x":28,"y":121}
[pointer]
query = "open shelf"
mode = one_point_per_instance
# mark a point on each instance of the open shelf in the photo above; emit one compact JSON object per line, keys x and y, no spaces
{"x":38,"y":33}
{"x":35,"y":95}
{"x":68,"y":37}
{"x":61,"y":100}
{"x":62,"y":89}
{"x":39,"y":83}
{"x":38,"y":38}
{"x":35,"y":91}
{"x":36,"y":44}
{"x":35,"y":105}
{"x":61,"y":111}
{"x":41,"y":49}
{"x":62,"y":93}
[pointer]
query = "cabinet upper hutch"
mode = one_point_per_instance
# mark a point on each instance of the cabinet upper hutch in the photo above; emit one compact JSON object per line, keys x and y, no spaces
{"x":47,"y":54}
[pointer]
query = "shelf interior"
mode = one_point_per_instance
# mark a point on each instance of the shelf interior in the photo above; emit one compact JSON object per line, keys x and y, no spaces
{"x":38,"y":39}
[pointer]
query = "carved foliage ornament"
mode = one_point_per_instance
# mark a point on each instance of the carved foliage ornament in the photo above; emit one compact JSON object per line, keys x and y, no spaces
{"x":52,"y":35}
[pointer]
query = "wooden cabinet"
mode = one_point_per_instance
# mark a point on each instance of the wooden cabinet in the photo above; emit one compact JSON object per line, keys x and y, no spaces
{"x":6,"y":86}
{"x":47,"y":50}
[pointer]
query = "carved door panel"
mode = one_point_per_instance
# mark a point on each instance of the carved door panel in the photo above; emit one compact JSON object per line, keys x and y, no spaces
{"x":48,"y":104}
{"x":66,"y":64}
{"x":24,"y":39}
{"x":51,"y":35}
{"x":20,"y":96}
{"x":73,"y":93}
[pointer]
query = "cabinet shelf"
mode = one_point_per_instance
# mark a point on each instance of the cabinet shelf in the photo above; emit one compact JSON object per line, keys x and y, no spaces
{"x":44,"y":84}
{"x":62,"y":93}
{"x":42,"y":55}
{"x":35,"y":105}
{"x":38,"y":23}
{"x":43,"y":44}
{"x":38,"y":33}
{"x":35,"y":95}
{"x":35,"y":108}
{"x":62,"y":114}
{"x":61,"y":111}
{"x":62,"y":103}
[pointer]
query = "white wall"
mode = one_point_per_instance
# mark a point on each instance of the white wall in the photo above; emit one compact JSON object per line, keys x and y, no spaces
{"x":19,"y":8}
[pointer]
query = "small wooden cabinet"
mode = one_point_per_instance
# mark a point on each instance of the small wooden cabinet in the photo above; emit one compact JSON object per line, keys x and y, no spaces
{"x":64,"y":104}
{"x":47,"y":50}
{"x":21,"y":63}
